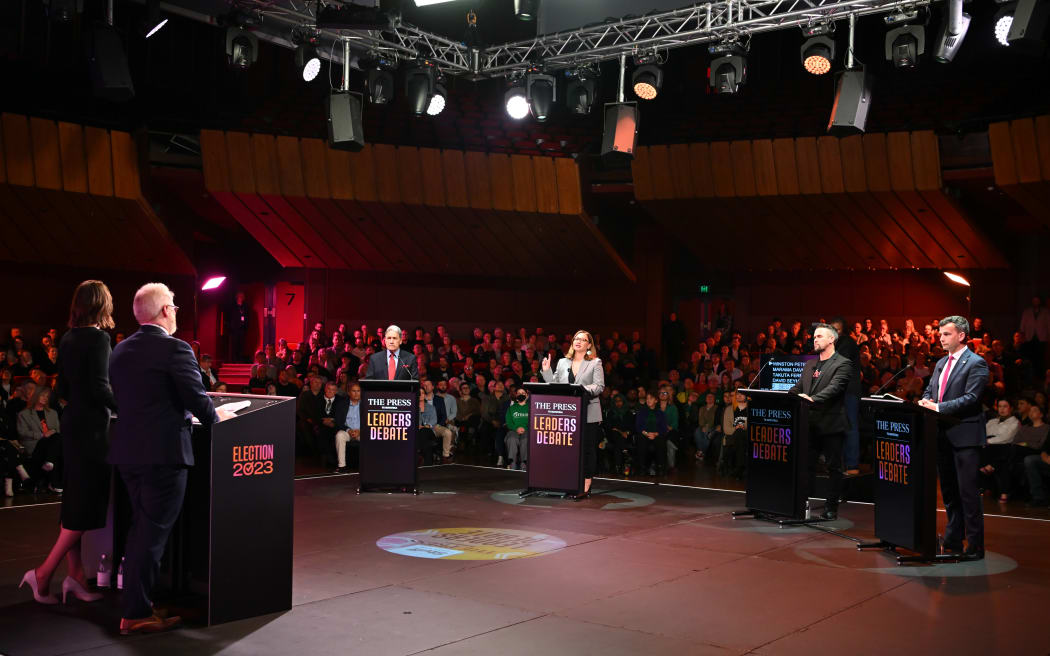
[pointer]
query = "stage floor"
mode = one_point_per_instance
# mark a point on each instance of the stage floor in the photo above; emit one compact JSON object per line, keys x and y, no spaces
{"x":636,"y":569}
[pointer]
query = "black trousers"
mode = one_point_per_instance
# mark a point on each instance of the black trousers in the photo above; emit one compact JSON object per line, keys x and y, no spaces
{"x":589,"y":448}
{"x":425,"y":439}
{"x":831,"y":445}
{"x":156,"y":493}
{"x":649,"y":452}
{"x":957,"y":471}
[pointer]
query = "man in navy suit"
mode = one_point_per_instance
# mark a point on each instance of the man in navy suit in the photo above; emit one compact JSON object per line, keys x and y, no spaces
{"x":392,"y":363}
{"x":158,"y":389}
{"x":955,"y":389}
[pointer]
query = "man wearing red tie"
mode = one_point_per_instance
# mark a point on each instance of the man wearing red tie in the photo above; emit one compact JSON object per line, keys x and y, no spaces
{"x":392,"y":363}
{"x":955,"y":389}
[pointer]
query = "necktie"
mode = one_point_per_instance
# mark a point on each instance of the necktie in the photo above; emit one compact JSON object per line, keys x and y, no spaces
{"x":328,"y":406}
{"x":392,"y":367}
{"x":944,"y":378}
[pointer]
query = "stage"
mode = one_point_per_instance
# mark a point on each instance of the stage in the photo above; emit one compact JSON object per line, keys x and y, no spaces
{"x":636,"y":569}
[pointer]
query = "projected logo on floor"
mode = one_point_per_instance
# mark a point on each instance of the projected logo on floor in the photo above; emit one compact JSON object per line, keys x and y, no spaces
{"x":613,"y":500}
{"x":470,"y":543}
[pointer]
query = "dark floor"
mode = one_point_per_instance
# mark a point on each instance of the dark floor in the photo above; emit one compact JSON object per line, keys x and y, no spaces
{"x":644,"y":569}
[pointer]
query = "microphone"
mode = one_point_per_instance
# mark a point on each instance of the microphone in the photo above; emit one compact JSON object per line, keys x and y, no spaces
{"x":891,"y":380}
{"x":405,"y":367}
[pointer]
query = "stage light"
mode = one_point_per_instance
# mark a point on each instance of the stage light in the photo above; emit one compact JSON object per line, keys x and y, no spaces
{"x":242,"y":48}
{"x":540,"y":93}
{"x":728,"y":73}
{"x":817,"y":54}
{"x":646,"y":81}
{"x":957,"y":279}
{"x":904,"y":44}
{"x":380,"y":86}
{"x":514,"y":100}
{"x":526,"y":10}
{"x":308,"y":61}
{"x":154,"y":21}
{"x":952,"y":33}
{"x":1003,"y":21}
{"x":419,"y":88}
{"x":580,"y":94}
{"x":213,"y":283}
{"x":437,"y":101}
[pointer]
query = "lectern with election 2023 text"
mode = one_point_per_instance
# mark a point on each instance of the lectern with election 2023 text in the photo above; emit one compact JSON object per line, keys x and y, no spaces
{"x":389,"y":425}
{"x":777,"y":454}
{"x":557,"y":413}
{"x":906,"y":477}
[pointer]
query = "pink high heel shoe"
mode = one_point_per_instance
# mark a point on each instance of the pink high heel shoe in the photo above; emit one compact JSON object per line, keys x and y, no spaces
{"x":30,"y":579}
{"x":72,"y":585}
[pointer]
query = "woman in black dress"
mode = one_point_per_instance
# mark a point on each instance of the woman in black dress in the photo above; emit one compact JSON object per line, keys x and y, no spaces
{"x":83,"y":381}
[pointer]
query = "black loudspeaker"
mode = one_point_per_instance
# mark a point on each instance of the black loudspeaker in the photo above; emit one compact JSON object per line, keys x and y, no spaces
{"x":110,"y":77}
{"x":344,"y":121}
{"x":1026,"y":31}
{"x":852,"y":102}
{"x":621,"y":131}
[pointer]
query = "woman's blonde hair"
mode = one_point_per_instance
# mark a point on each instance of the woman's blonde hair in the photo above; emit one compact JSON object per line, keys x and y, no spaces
{"x":589,"y":355}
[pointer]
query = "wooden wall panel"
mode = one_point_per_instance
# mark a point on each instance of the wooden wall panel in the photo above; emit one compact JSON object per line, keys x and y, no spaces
{"x":241,"y":160}
{"x":700,"y":165}
{"x":830,"y":157}
{"x":410,"y":175}
{"x":1001,"y":144}
{"x":1026,"y":152}
{"x":47,"y":161}
{"x":743,"y":168}
{"x":546,"y":185}
{"x":898,"y":154}
{"x":926,"y":160}
{"x":765,"y":167}
{"x":479,"y":180}
{"x":3,"y":162}
{"x":786,"y":166}
{"x":808,"y":165}
{"x":315,"y":167}
{"x":74,"y":161}
{"x":125,"y":166}
{"x":434,"y":180}
{"x":362,"y":172}
{"x":642,"y":174}
{"x":100,"y":162}
{"x":290,"y":167}
{"x":455,"y":178}
{"x":570,"y":199}
{"x":502,"y":179}
{"x":385,"y":157}
{"x":721,"y":171}
{"x":264,"y":164}
{"x":660,"y":169}
{"x":18,"y":150}
{"x":524,"y":183}
{"x":876,"y":162}
{"x":1042,"y":136}
{"x":340,"y":182}
{"x":681,"y":171}
{"x":854,"y":177}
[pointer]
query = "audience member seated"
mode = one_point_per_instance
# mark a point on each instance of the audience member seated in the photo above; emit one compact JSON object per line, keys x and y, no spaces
{"x":208,"y":376}
{"x":38,"y":427}
{"x":332,"y":411}
{"x":651,"y":444}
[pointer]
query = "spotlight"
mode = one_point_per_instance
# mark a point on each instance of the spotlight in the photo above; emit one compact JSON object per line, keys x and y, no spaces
{"x":380,"y":86}
{"x":514,"y":99}
{"x":952,"y":32}
{"x":728,"y":73}
{"x":308,"y":61}
{"x":540,"y":92}
{"x":817,"y":54}
{"x":154,"y":21}
{"x":580,"y":94}
{"x":242,"y":48}
{"x":213,"y":283}
{"x":1004,"y":19}
{"x":646,"y":81}
{"x":526,"y":10}
{"x":904,"y":44}
{"x":1028,"y":25}
{"x":419,"y":87}
{"x":437,"y":101}
{"x":957,"y":279}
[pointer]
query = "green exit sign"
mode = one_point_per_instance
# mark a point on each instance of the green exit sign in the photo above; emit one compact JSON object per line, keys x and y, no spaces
{"x":705,"y":289}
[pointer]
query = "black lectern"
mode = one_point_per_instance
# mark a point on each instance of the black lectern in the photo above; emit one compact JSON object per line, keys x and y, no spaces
{"x":230,"y":553}
{"x":777,"y":455}
{"x":557,"y":413}
{"x":906,"y":477}
{"x":389,"y":423}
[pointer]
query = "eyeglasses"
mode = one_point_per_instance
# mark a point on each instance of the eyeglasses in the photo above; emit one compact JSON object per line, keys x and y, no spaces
{"x":175,"y":308}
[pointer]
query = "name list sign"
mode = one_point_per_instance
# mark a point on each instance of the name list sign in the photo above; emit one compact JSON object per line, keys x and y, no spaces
{"x":555,"y":424}
{"x":896,"y":471}
{"x":388,"y":436}
{"x":771,"y":456}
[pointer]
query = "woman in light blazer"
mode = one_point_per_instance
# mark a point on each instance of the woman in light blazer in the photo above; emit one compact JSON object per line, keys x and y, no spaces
{"x":580,"y":366}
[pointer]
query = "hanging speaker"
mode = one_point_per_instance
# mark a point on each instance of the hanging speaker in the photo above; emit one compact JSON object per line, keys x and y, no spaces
{"x":852,"y":102}
{"x":344,"y":121}
{"x":110,"y":77}
{"x":621,"y":131}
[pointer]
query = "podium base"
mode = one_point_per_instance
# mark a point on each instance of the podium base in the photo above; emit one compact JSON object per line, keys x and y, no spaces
{"x":776,"y":519}
{"x":535,"y":492}
{"x":389,"y":489}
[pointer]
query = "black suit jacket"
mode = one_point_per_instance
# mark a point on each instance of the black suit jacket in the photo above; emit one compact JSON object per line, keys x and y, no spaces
{"x":158,"y":389}
{"x":962,"y":397}
{"x":828,"y":391}
{"x":340,"y":405}
{"x":406,"y":366}
{"x":83,"y":381}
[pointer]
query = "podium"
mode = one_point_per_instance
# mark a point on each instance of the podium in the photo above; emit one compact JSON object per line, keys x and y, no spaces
{"x":906,"y":477}
{"x":229,"y":556}
{"x":777,"y":456}
{"x":389,"y":425}
{"x":557,"y":413}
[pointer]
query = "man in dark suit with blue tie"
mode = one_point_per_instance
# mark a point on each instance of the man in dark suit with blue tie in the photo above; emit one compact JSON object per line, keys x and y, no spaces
{"x":392,"y":363}
{"x":955,"y":389}
{"x":158,"y":389}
